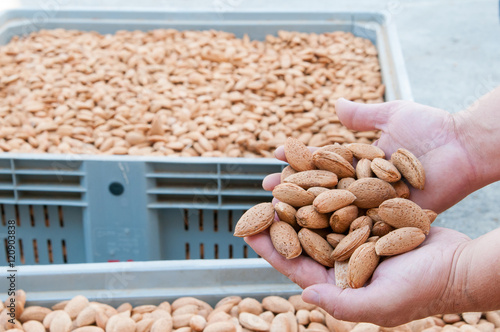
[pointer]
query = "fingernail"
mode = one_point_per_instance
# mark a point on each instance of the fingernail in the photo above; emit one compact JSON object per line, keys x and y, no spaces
{"x":310,"y":296}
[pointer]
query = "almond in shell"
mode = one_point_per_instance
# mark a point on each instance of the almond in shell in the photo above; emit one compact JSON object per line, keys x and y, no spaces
{"x":308,"y":216}
{"x":402,"y":190}
{"x":347,"y":245}
{"x":400,"y":212}
{"x":371,"y":192}
{"x":286,"y":213}
{"x":332,"y":200}
{"x":333,"y":162}
{"x":344,"y":183}
{"x":385,"y":170}
{"x":313,"y":178}
{"x":373,"y":213}
{"x":292,"y":194}
{"x":317,"y":190}
{"x":285,"y":239}
{"x":362,"y":263}
{"x":298,"y":155}
{"x":410,"y":167}
{"x":431,"y":215}
{"x":334,"y":239}
{"x":361,"y":150}
{"x":255,"y":220}
{"x":316,"y":247}
{"x":360,"y":222}
{"x":399,"y":241}
{"x":364,"y":169}
{"x":286,"y":172}
{"x":340,"y":150}
{"x":342,"y":218}
{"x":381,"y":228}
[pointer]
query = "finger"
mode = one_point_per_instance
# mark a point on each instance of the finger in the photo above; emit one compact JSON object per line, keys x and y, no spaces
{"x":362,"y":117}
{"x":271,"y":181}
{"x":301,"y":270}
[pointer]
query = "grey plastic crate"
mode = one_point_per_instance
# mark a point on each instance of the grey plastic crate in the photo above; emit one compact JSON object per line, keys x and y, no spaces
{"x":69,"y":208}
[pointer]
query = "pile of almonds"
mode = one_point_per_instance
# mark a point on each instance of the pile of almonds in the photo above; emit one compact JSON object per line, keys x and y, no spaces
{"x":180,"y":93}
{"x":230,"y":314}
{"x":341,"y":215}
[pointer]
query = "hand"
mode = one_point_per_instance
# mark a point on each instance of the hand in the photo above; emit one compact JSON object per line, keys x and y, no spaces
{"x":406,"y":287}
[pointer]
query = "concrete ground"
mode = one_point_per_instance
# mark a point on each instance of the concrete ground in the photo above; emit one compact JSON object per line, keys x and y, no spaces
{"x":451,"y":49}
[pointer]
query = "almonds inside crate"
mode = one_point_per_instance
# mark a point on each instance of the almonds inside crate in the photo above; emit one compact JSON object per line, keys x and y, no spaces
{"x":230,"y":314}
{"x":345,"y":206}
{"x":180,"y":93}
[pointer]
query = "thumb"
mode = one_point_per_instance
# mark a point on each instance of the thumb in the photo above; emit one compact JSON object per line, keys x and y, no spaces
{"x":363,"y":117}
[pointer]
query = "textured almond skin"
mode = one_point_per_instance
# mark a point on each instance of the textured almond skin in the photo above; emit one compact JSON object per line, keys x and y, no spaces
{"x":286,"y":213}
{"x":361,"y":150}
{"x":364,"y":169}
{"x":342,"y":218}
{"x":400,"y":212}
{"x":402,"y":190}
{"x":317,"y":190}
{"x":277,"y":304}
{"x":373,"y":238}
{"x":360,"y":222}
{"x":292,"y":194}
{"x":86,"y":317}
{"x":308,"y":216}
{"x":344,"y":183}
{"x":362,"y":263}
{"x":313,"y":178}
{"x":340,"y":150}
{"x":316,"y":247}
{"x":334,"y":239}
{"x":34,"y":313}
{"x":342,"y":274}
{"x":285,"y":239}
{"x":253,"y":322}
{"x":373,"y":213}
{"x":410,"y":167}
{"x":332,"y":200}
{"x":431,"y":215}
{"x":298,"y":155}
{"x":333,"y":162}
{"x":371,"y":192}
{"x":280,"y":323}
{"x":286,"y":172}
{"x":220,"y":327}
{"x":381,"y":228}
{"x":346,"y":247}
{"x":250,"y":305}
{"x":385,"y":170}
{"x":255,"y":220}
{"x":75,"y":305}
{"x":399,"y":241}
{"x":34,"y":326}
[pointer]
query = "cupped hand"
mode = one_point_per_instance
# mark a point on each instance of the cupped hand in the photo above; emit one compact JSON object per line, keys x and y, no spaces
{"x":403,"y":288}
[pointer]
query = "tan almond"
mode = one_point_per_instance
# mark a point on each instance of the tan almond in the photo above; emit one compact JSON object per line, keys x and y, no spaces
{"x":333,"y":162}
{"x":317,"y":190}
{"x":373,"y":238}
{"x":373,"y":213}
{"x":493,"y":317}
{"x":255,"y":220}
{"x":340,"y":150}
{"x":471,"y":318}
{"x":182,"y":301}
{"x":316,"y":327}
{"x":381,"y":228}
{"x":431,"y":215}
{"x":253,"y":322}
{"x":233,"y":299}
{"x":371,"y":192}
{"x":181,"y":320}
{"x":286,"y":172}
{"x":317,"y":316}
{"x":226,"y":326}
{"x":364,"y":169}
{"x":361,"y":150}
{"x":101,"y":319}
{"x":144,"y":324}
{"x":277,"y":304}
{"x":332,"y":200}
{"x":313,"y":178}
{"x":186,"y":309}
{"x":334,"y":238}
{"x":362,"y":264}
{"x":126,"y":306}
{"x":61,"y":322}
{"x":280,"y":323}
{"x":292,"y":194}
{"x":302,"y":317}
{"x":60,"y":305}
{"x":86,"y":317}
{"x":342,"y":274}
{"x":298,"y":303}
{"x":141,"y":309}
{"x":360,"y":222}
{"x":410,"y":167}
{"x":88,"y":329}
{"x":75,"y":305}
{"x":164,"y":324}
{"x":343,"y":217}
{"x":385,"y":170}
{"x":338,"y":325}
{"x":308,"y":216}
{"x":197,"y":323}
{"x":267,"y":316}
{"x":285,"y":240}
{"x":347,"y":245}
{"x":298,"y":155}
{"x":400,"y":212}
{"x":316,"y":247}
{"x":286,"y":213}
{"x":34,"y":326}
{"x":402,"y":190}
{"x":34,"y":313}
{"x":344,"y":183}
{"x":399,"y":241}
{"x":250,"y":305}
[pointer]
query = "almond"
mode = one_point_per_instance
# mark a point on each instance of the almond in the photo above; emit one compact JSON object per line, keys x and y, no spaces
{"x":34,"y":313}
{"x":250,"y":305}
{"x":298,"y":155}
{"x":255,"y":220}
{"x":286,"y":172}
{"x":381,"y":228}
{"x":233,"y":299}
{"x":342,"y":218}
{"x":308,"y":216}
{"x":280,"y":323}
{"x":340,"y":150}
{"x":360,"y":222}
{"x":399,"y":241}
{"x":316,"y":247}
{"x":364,"y":169}
{"x":317,"y":190}
{"x":253,"y":322}
{"x":373,"y":238}
{"x":333,"y":162}
{"x":86,"y":317}
{"x":179,"y":320}
{"x":75,"y":305}
{"x":182,"y":301}
{"x":400,"y":212}
{"x":61,"y":322}
{"x":342,"y":274}
{"x":333,"y":239}
{"x":298,"y":303}
{"x":226,"y":326}
{"x":344,"y":183}
{"x":143,"y":309}
{"x":286,"y":213}
{"x":493,"y":317}
{"x":267,"y":316}
{"x":332,"y":200}
{"x":472,"y":318}
{"x":316,"y":327}
{"x":431,"y":215}
{"x":371,"y":192}
{"x":347,"y":245}
{"x":410,"y":167}
{"x":101,"y":319}
{"x":88,"y":329}
{"x":373,"y":213}
{"x":314,"y":178}
{"x":360,"y":151}
{"x":164,"y":324}
{"x":35,"y":326}
{"x":285,"y":240}
{"x":338,"y":325}
{"x":402,"y":190}
{"x":302,"y":317}
{"x":277,"y":304}
{"x":385,"y":170}
{"x":144,"y":324}
{"x":362,"y":263}
{"x":197,"y":323}
{"x":292,"y":194}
